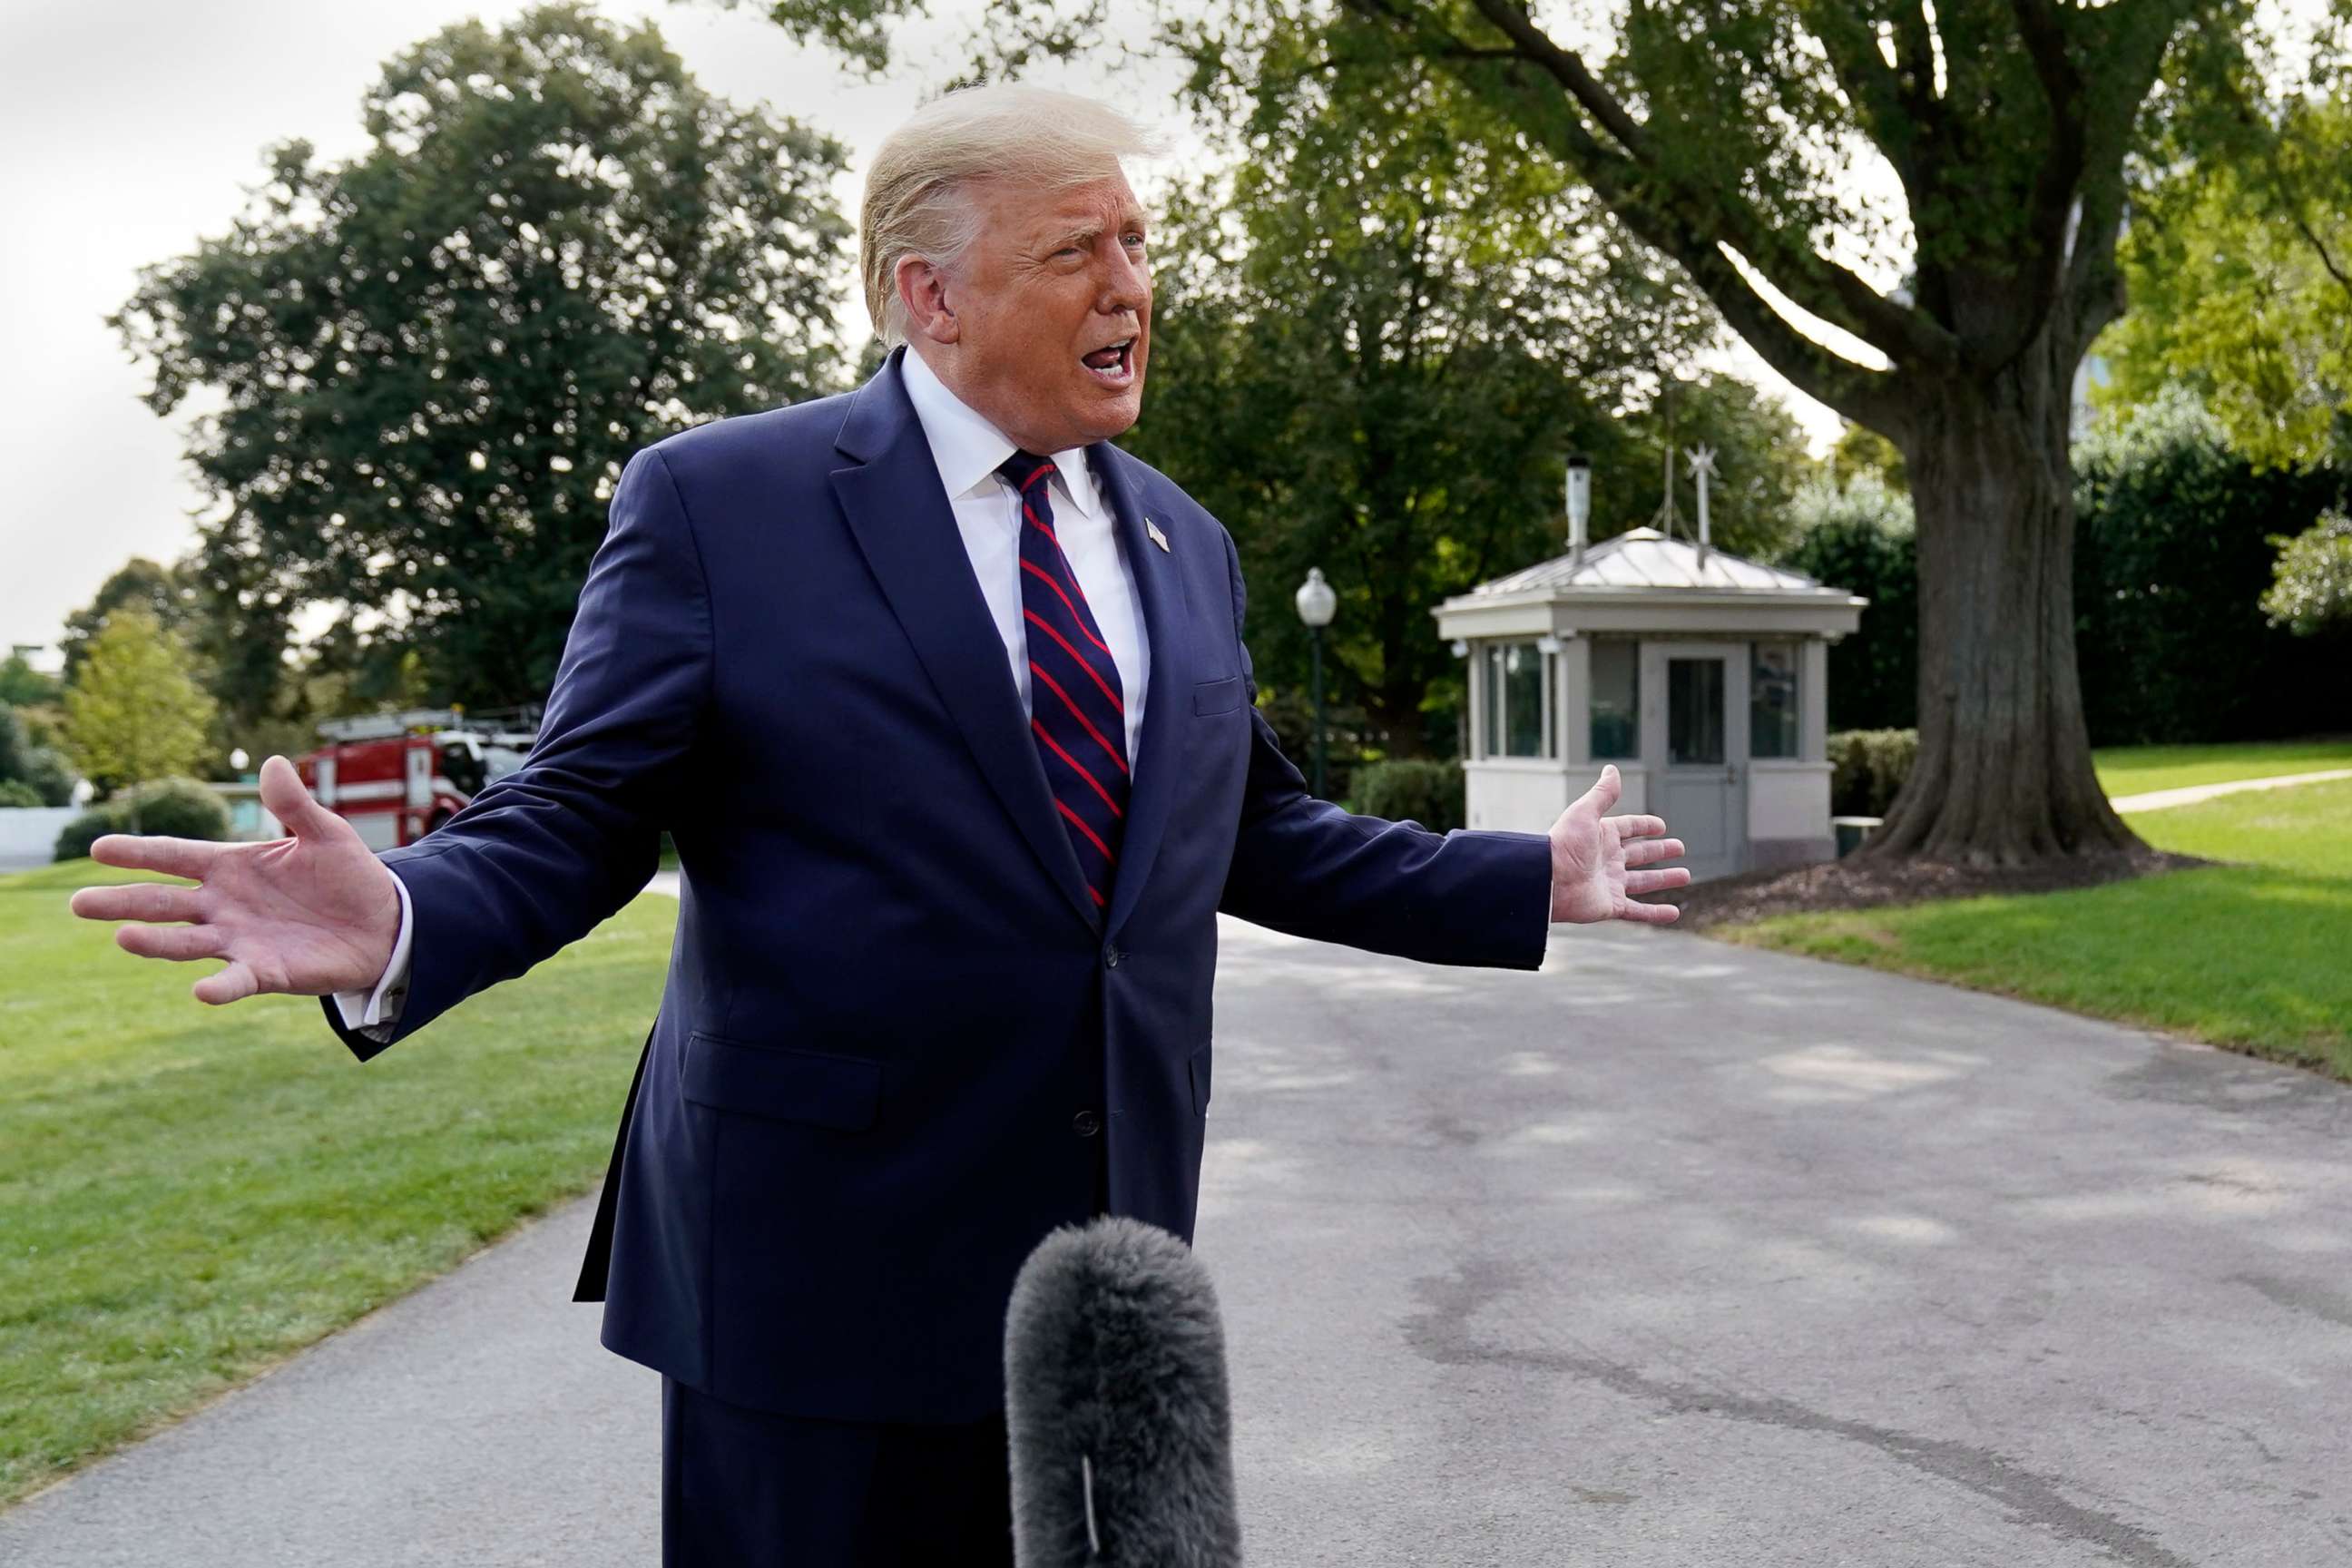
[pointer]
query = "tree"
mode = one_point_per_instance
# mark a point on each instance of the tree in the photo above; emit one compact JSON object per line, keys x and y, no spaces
{"x":22,"y":686}
{"x":2312,"y":588}
{"x":2242,"y":272}
{"x":434,"y":358}
{"x":31,"y":768}
{"x":1858,"y":535}
{"x":1862,"y":450}
{"x":131,"y":714}
{"x":1719,"y":131}
{"x":1383,"y":376}
{"x":166,"y":593}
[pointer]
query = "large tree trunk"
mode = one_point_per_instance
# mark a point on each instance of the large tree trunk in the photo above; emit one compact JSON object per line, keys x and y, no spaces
{"x":2003,"y":775}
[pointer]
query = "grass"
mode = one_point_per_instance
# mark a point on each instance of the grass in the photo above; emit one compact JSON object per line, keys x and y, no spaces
{"x":2255,"y":955}
{"x":2140,"y":770}
{"x":191,"y":1194}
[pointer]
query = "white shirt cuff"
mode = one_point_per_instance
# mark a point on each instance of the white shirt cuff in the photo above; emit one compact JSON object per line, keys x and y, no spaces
{"x":363,"y":1008}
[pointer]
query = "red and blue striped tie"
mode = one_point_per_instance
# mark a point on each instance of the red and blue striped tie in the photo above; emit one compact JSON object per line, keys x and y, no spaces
{"x":1077,"y":710}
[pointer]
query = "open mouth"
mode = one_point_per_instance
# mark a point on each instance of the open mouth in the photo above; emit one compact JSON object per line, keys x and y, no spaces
{"x":1113,"y":363}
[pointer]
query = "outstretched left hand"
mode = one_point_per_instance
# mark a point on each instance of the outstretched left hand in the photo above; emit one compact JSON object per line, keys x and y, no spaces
{"x":1593,"y":856}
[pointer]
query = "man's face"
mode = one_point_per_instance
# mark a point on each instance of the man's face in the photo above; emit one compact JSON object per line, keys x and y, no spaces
{"x":1052,"y":313}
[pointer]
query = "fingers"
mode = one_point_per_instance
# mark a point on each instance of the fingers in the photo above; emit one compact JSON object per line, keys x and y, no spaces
{"x":1657,"y":881}
{"x":234,"y":983}
{"x":179,"y":943}
{"x":1648,"y":849}
{"x":1639,"y":827}
{"x":1651,"y":914}
{"x":137,"y":901}
{"x":191,"y":857}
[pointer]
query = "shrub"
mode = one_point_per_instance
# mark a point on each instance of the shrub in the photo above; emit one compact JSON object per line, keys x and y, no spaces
{"x":1430,"y":794}
{"x":16,"y":792}
{"x":25,"y":760}
{"x":2173,"y":558}
{"x":176,"y":808}
{"x":1867,"y":767}
{"x":1860,"y":538}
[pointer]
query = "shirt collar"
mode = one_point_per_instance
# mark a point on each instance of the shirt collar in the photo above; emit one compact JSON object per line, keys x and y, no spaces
{"x":968,"y":449}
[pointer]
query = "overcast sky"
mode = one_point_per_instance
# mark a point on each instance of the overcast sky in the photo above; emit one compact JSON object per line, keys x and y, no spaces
{"x":129,"y":130}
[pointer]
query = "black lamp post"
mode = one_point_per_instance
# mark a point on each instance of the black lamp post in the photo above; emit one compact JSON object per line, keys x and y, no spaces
{"x":1317,"y":604}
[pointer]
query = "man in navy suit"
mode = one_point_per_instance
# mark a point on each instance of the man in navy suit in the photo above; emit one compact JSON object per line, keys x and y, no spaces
{"x":945,"y":702}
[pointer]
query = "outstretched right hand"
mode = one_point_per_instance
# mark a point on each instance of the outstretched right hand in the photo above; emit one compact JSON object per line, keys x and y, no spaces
{"x":306,"y":915}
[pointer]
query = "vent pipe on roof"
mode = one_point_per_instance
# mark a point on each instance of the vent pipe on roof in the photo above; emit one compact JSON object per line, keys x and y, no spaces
{"x":1580,"y":505}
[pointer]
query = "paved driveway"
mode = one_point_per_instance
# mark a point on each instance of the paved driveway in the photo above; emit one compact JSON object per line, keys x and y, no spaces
{"x":1671,"y":1254}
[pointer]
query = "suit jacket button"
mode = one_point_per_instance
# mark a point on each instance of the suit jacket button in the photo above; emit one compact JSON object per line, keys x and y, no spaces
{"x":1086,"y":1125}
{"x":1111,"y":956}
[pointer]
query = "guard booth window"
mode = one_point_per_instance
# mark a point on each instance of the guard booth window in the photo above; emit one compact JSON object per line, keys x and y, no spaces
{"x":1772,"y":700}
{"x":1514,"y":680}
{"x":1616,"y":701}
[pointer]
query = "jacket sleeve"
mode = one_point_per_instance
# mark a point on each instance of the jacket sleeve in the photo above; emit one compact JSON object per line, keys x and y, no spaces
{"x":1305,"y":867}
{"x":541,"y":856}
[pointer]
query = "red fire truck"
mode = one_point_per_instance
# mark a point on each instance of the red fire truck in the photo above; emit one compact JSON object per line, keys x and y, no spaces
{"x":397,"y":776}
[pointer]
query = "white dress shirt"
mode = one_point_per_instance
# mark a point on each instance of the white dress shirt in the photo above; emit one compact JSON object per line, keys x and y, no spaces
{"x":967,"y":449}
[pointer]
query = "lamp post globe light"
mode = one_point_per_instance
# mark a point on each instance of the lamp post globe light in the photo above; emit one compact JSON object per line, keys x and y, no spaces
{"x":1317,"y":604}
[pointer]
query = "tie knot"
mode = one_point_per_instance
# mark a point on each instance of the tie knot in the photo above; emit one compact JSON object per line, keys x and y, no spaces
{"x":1023,"y":470}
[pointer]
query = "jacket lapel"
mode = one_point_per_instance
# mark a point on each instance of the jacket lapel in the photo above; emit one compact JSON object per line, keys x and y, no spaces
{"x":900,"y":517}
{"x":1158,"y":768}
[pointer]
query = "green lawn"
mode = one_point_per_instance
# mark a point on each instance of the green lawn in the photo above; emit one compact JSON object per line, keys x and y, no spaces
{"x":2139,"y":770}
{"x":189,"y":1194}
{"x":2256,"y":955}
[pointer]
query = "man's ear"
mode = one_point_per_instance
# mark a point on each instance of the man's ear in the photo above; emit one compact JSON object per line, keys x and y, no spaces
{"x":923,"y":292}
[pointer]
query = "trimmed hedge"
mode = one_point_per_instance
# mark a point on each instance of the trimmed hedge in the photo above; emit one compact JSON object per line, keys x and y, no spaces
{"x":172,"y":808}
{"x":1428,"y":793}
{"x":1866,"y":767}
{"x":17,"y":792}
{"x":2173,"y":553}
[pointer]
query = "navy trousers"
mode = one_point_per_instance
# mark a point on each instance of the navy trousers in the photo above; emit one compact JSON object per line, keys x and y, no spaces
{"x":751,"y":1488}
{"x":754,"y":1489}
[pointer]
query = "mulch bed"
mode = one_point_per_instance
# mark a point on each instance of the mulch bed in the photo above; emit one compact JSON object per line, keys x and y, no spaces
{"x":1864,"y":883}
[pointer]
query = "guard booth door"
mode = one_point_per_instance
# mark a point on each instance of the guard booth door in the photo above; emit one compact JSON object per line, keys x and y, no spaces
{"x":1703,"y":734}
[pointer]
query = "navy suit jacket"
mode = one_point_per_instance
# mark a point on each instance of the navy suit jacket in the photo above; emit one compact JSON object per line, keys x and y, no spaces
{"x":889,"y":996}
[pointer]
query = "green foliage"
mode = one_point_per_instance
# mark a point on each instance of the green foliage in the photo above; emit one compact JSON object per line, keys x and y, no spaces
{"x":434,"y":358}
{"x":132,"y":713}
{"x":171,"y":597}
{"x":30,"y":767}
{"x":1858,"y":537}
{"x":1428,"y":793}
{"x":22,"y":686}
{"x":2241,"y":274}
{"x":1374,"y":345}
{"x":2311,"y":588}
{"x":1867,"y":767}
{"x":17,"y":792}
{"x":2173,"y":558}
{"x":2175,"y":541}
{"x":1862,"y":450}
{"x":173,"y":807}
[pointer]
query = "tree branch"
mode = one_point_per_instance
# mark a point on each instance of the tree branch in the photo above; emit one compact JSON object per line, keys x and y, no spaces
{"x":1829,"y":290}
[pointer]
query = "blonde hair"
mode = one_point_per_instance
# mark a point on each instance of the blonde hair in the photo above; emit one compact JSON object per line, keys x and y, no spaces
{"x":916,"y":199}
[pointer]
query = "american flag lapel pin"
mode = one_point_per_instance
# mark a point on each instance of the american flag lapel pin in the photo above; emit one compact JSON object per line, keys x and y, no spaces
{"x":1153,"y":529}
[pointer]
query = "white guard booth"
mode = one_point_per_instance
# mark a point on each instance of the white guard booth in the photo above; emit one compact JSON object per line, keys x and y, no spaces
{"x":1703,"y":676}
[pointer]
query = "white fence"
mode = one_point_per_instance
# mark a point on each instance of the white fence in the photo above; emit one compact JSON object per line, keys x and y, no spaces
{"x":28,"y":834}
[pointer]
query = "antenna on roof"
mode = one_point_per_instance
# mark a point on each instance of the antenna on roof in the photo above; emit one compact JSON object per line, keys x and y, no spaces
{"x":1702,"y":467}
